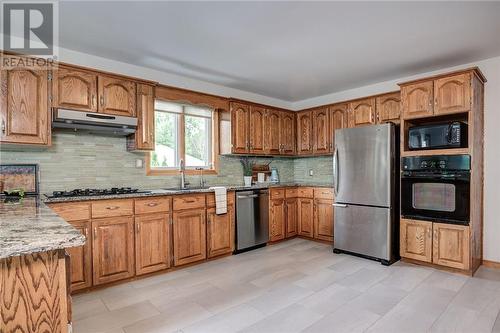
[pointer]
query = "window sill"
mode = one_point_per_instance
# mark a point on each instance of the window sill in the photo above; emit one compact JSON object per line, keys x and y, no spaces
{"x":175,"y":172}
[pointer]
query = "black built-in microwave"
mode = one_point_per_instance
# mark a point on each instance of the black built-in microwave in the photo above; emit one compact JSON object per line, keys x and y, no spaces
{"x":438,"y":136}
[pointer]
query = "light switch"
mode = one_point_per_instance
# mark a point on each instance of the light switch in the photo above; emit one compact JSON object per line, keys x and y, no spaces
{"x":139,"y":163}
{"x":311,"y":172}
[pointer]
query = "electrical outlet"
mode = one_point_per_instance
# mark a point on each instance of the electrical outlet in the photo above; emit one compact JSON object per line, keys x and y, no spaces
{"x":311,"y":172}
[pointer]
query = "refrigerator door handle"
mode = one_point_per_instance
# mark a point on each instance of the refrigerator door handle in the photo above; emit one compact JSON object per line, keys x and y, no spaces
{"x":339,"y":205}
{"x":336,"y":171}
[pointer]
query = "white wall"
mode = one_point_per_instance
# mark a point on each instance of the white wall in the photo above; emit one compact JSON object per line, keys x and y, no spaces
{"x":491,"y":69}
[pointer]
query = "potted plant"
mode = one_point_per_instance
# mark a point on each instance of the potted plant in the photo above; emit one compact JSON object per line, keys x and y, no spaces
{"x":247,"y":171}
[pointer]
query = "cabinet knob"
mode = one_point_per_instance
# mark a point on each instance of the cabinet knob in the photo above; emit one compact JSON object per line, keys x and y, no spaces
{"x":102,"y":100}
{"x":3,"y":126}
{"x":95,"y":233}
{"x":93,"y":100}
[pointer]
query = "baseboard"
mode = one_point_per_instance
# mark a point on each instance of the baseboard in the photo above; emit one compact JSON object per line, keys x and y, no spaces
{"x":491,"y":264}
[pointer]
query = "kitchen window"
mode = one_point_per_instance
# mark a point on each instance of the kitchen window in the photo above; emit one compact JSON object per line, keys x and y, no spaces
{"x":182,"y":131}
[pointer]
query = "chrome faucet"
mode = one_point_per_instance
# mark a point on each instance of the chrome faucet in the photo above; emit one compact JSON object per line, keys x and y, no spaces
{"x":182,"y":168}
{"x":202,"y":181}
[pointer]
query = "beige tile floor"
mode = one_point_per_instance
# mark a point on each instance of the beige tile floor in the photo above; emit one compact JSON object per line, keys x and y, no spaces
{"x":295,"y":286}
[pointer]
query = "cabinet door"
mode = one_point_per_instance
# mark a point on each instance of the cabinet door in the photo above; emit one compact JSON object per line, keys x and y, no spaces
{"x":417,"y":100}
{"x":144,"y":137}
{"x":416,"y":240}
{"x":323,"y":219}
{"x":451,"y":245}
{"x":362,"y":112}
{"x":287,"y":138}
{"x":152,"y":243}
{"x":305,"y":214}
{"x":290,"y":217}
{"x":338,"y":120}
{"x":389,"y":108}
{"x":273,"y":132}
{"x":220,"y":232}
{"x":81,"y":258}
{"x":321,"y":131}
{"x":113,"y":248}
{"x":304,"y":133}
{"x":452,"y":94}
{"x":75,"y":89}
{"x":189,"y":236}
{"x":239,"y":127}
{"x":116,"y":96}
{"x":24,"y":108}
{"x":277,"y":220}
{"x":257,"y":129}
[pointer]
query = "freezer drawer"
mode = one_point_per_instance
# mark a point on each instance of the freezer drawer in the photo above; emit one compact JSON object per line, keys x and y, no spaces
{"x":363,"y":230}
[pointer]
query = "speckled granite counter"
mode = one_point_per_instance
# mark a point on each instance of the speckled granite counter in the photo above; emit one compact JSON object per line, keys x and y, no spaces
{"x":30,"y":226}
{"x":152,"y":193}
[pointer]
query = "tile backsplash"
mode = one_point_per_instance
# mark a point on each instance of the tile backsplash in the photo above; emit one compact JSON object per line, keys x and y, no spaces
{"x":84,"y":160}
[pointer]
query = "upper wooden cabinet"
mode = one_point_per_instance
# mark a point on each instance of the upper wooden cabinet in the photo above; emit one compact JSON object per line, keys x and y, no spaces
{"x":338,"y":120}
{"x":416,"y":240}
{"x":417,"y":99}
{"x":24,"y":107}
{"x":452,"y":94}
{"x":116,"y":96}
{"x":144,"y":137}
{"x":273,"y":129}
{"x":239,"y":127}
{"x":257,"y":129}
{"x":287,"y":138}
{"x":74,"y":89}
{"x":389,"y":108}
{"x":362,"y":112}
{"x":321,"y":131}
{"x":304,"y":133}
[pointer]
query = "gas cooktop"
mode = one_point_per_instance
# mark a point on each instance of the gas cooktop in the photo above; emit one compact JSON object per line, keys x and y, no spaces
{"x":94,"y":192}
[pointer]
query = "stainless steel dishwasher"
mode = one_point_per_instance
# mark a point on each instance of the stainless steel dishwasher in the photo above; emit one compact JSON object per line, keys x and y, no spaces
{"x":252,"y":219}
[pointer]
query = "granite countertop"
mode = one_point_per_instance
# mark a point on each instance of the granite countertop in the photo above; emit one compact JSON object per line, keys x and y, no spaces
{"x":29,"y":226}
{"x":161,"y":192}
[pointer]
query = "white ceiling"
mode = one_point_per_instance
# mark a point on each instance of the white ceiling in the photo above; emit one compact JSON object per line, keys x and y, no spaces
{"x":286,"y":50}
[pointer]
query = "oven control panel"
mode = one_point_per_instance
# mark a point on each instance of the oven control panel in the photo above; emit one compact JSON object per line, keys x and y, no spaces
{"x":438,"y":162}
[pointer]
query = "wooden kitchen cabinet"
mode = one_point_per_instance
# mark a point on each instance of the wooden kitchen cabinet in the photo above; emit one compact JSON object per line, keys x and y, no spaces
{"x":144,"y":137}
{"x":277,"y":220}
{"x":74,"y":89}
{"x":257,"y":129}
{"x":362,"y":112}
{"x":452,"y":94}
{"x":220,"y":232}
{"x":417,"y":99}
{"x":152,"y":242}
{"x":304,"y":133}
{"x":451,"y":245}
{"x":113,"y":248}
{"x":338,"y":120}
{"x":287,"y":138}
{"x":117,"y":96}
{"x":389,"y":108}
{"x":239,"y":127}
{"x":274,"y":131}
{"x":24,"y":107}
{"x":305,"y":212}
{"x":416,"y":240}
{"x":323,"y":219}
{"x":291,"y":212}
{"x":189,"y":236}
{"x":321,"y":131}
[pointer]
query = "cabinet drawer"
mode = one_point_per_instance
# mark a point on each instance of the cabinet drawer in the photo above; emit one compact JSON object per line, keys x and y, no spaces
{"x":211,"y":199}
{"x":152,"y":205}
{"x":72,"y":211}
{"x":189,"y":201}
{"x":323,"y":193}
{"x":277,"y":193}
{"x":305,"y":192}
{"x":291,"y":192}
{"x":109,"y":208}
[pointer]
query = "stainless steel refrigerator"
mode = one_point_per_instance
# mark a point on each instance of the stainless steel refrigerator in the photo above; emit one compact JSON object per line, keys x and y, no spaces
{"x":366,"y":201}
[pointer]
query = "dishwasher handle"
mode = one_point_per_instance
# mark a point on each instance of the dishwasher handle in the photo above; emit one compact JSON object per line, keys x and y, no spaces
{"x":247,"y":196}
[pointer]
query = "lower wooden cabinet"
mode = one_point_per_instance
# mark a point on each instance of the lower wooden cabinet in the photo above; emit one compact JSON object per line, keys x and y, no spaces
{"x":290,"y":217}
{"x":305,"y":212}
{"x":113,"y":248}
{"x":189,"y":236}
{"x":323,"y":219}
{"x":81,"y":258}
{"x":451,"y":245}
{"x":220,"y":232}
{"x":277,"y":220}
{"x":152,"y":243}
{"x":416,"y":240}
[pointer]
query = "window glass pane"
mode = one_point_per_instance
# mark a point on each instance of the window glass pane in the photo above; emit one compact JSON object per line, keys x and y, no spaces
{"x":434,"y":196}
{"x":166,"y":154}
{"x":198,"y":140}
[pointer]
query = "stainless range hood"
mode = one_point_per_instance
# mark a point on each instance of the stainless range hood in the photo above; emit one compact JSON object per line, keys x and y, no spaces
{"x":96,"y":122}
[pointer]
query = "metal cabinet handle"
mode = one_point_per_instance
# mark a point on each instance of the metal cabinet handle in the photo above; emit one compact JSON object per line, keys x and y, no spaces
{"x":138,"y":227}
{"x":112,"y":207}
{"x":3,"y":126}
{"x":93,"y":100}
{"x":189,"y":201}
{"x":152,"y":204}
{"x":86,"y":232}
{"x":102,"y":100}
{"x":95,"y":233}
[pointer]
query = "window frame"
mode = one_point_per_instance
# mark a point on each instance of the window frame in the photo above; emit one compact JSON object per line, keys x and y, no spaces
{"x":151,"y":171}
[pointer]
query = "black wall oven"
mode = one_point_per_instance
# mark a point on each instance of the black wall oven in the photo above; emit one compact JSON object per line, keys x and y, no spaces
{"x":436,"y":188}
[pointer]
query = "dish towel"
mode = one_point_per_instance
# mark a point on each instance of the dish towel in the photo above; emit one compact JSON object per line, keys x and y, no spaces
{"x":220,"y":199}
